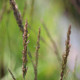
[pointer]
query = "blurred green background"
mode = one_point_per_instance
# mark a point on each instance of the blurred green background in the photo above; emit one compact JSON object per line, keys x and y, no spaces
{"x":11,"y":42}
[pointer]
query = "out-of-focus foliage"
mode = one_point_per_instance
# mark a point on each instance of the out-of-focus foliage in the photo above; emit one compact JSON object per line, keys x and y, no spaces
{"x":11,"y":43}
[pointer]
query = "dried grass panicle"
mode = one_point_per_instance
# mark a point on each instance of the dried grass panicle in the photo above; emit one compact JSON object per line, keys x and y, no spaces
{"x":53,"y":42}
{"x":11,"y":74}
{"x":17,"y":14}
{"x":25,"y":36}
{"x":36,"y":53}
{"x":66,"y":53}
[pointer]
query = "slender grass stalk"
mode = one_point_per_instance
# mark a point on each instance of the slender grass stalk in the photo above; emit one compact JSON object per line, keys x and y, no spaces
{"x":35,"y":65}
{"x":37,"y":54}
{"x":25,"y":42}
{"x":17,"y":14}
{"x":53,"y":42}
{"x":66,"y":53}
{"x":29,"y":53}
{"x":11,"y":74}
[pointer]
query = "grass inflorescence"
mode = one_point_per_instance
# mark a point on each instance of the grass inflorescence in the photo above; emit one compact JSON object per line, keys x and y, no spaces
{"x":66,"y":52}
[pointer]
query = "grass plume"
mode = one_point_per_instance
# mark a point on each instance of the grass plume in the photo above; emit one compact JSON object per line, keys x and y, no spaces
{"x":17,"y":14}
{"x":25,"y":42}
{"x":66,"y":53}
